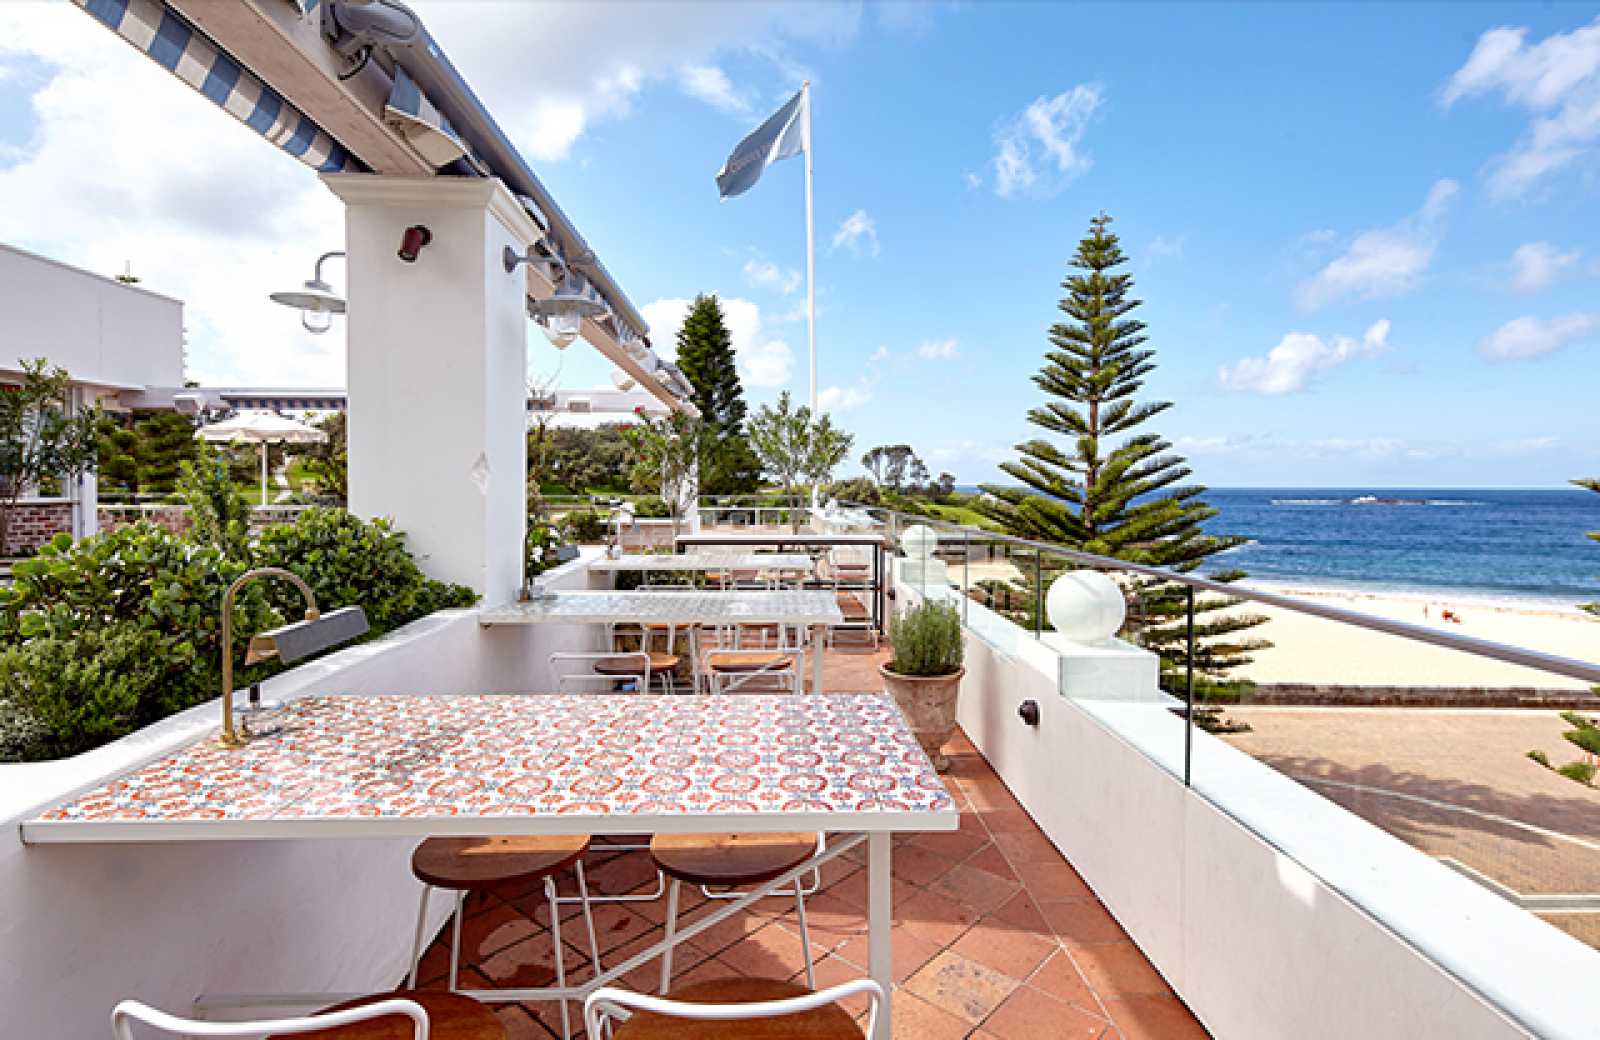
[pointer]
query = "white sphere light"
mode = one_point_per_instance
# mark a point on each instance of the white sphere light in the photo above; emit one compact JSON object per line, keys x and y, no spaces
{"x":1086,"y":607}
{"x":918,"y":542}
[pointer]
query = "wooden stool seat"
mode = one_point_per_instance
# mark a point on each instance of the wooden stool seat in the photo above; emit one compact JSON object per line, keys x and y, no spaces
{"x":666,"y":626}
{"x":450,"y":1017}
{"x":852,"y":608}
{"x":628,"y":664}
{"x":468,"y":864}
{"x":830,"y":1022}
{"x":730,"y":859}
{"x":747,"y":661}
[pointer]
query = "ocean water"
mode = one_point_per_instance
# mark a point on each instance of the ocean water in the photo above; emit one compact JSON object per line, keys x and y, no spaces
{"x":1500,"y":543}
{"x":1504,"y":544}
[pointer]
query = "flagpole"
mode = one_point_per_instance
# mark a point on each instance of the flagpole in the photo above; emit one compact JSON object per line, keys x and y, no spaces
{"x":811,"y":251}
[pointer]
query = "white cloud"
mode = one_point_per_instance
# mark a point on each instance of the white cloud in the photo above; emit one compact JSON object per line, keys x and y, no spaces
{"x":1536,"y":265}
{"x":972,"y":180}
{"x":710,"y":84}
{"x":1161,"y":247}
{"x":937,"y":349}
{"x":836,"y":399}
{"x":1384,"y":261}
{"x":764,"y":361}
{"x":218,"y":222}
{"x":764,"y":274}
{"x":1046,"y":134}
{"x":588,"y":63}
{"x":857,"y":233}
{"x":1530,"y":337}
{"x":1300,"y":356}
{"x":1556,"y":80}
{"x":880,"y":355}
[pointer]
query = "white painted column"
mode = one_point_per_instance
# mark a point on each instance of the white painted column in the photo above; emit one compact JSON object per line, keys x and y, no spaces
{"x":84,"y":490}
{"x":437,"y":372}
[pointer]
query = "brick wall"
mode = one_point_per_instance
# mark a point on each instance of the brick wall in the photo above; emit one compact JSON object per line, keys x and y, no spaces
{"x":173,"y":518}
{"x":34,"y":523}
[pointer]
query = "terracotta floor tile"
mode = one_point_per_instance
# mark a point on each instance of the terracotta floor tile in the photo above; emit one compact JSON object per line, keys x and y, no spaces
{"x":989,"y":857}
{"x":620,"y":874}
{"x":853,"y":889}
{"x":1008,"y":821}
{"x":957,"y":844}
{"x":908,"y":953}
{"x":518,"y":1023}
{"x":1060,"y":978}
{"x":655,"y":910}
{"x":832,"y":920}
{"x":1117,"y":970}
{"x":975,"y":888}
{"x":724,"y":933}
{"x":528,"y":964}
{"x":934,"y":917}
{"x":961,"y":986}
{"x":1022,"y":913}
{"x":491,"y":931}
{"x":1082,"y":922}
{"x":1050,"y":881}
{"x":917,"y":865}
{"x":647,"y":977}
{"x":614,"y":924}
{"x":916,"y":1019}
{"x":835,"y":971}
{"x":997,"y":945}
{"x":1154,"y":1018}
{"x":1029,"y":1014}
{"x":771,"y":952}
{"x":1027,"y":846}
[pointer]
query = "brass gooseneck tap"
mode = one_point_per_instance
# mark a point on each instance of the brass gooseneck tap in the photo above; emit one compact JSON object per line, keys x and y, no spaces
{"x":230,"y":737}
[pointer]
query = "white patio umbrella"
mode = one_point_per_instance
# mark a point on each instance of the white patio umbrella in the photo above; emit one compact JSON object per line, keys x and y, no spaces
{"x":261,"y":428}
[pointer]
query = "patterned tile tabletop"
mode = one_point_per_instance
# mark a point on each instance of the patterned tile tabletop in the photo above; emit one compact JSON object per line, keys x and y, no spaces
{"x":509,"y":763}
{"x":705,"y":561}
{"x":702,"y":607}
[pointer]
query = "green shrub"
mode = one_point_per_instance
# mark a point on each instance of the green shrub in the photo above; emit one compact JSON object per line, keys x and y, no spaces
{"x":349,"y":561}
{"x":926,"y":640}
{"x":586,"y":526}
{"x":108,"y":634}
{"x":105,"y":635}
{"x":1540,"y":757}
{"x":651,"y":507}
{"x":217,"y":515}
{"x":1582,"y":772}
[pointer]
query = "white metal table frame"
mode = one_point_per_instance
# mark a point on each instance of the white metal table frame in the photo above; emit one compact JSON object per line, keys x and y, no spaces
{"x":705,"y":561}
{"x":816,"y":610}
{"x":847,"y":828}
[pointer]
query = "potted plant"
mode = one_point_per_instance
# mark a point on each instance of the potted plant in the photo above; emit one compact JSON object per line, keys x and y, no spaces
{"x":925,"y":673}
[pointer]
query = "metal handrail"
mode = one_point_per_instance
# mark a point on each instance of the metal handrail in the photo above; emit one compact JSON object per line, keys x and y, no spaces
{"x":1553,"y":663}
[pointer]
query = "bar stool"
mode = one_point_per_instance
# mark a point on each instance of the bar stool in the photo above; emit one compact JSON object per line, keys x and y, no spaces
{"x":383,"y":1016}
{"x":467,"y":865}
{"x":775,"y":1009}
{"x":730,"y":860}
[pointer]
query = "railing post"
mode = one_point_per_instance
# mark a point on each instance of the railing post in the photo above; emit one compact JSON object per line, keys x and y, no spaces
{"x":1188,"y":687}
{"x":966,"y":575}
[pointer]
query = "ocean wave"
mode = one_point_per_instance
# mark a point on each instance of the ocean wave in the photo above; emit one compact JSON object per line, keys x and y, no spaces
{"x":1308,"y":501}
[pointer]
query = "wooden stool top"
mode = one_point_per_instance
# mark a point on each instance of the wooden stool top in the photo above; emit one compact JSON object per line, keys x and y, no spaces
{"x":830,"y":1022}
{"x":628,"y":664}
{"x":730,"y":859}
{"x":747,"y":661}
{"x":474,"y":863}
{"x":450,"y":1017}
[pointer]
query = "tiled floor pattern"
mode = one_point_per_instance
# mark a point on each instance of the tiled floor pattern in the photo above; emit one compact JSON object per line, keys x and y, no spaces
{"x":996,"y":937}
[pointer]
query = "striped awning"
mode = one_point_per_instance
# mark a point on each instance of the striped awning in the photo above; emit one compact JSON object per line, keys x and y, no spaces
{"x":166,"y":38}
{"x":410,"y":114}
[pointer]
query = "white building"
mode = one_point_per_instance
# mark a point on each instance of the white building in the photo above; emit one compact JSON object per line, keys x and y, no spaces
{"x":111,"y":338}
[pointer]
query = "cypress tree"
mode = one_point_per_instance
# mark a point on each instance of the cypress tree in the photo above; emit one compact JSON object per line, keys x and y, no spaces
{"x":1114,"y":488}
{"x":166,"y":442}
{"x":705,"y":353}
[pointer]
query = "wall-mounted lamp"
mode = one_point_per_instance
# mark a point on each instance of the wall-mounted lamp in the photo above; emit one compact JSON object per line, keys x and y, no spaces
{"x":561,"y":315}
{"x":316,"y":302}
{"x":411,"y":242}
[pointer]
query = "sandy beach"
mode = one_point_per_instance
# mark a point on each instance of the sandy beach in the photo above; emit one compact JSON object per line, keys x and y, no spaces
{"x":1313,"y":650}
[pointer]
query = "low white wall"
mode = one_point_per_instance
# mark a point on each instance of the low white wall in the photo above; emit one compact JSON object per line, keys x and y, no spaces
{"x":83,"y":926}
{"x":1243,"y":890}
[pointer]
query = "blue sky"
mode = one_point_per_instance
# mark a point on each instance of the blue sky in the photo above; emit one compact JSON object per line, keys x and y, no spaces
{"x":1366,"y":235}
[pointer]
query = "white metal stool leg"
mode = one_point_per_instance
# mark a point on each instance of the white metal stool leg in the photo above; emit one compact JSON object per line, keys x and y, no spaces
{"x":555,"y":952}
{"x":588,"y":918}
{"x":805,"y":933}
{"x":455,"y":941}
{"x":672,"y":928}
{"x":416,"y":941}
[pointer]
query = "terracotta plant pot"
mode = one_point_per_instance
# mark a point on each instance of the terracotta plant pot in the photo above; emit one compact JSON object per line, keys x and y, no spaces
{"x":929,"y":705}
